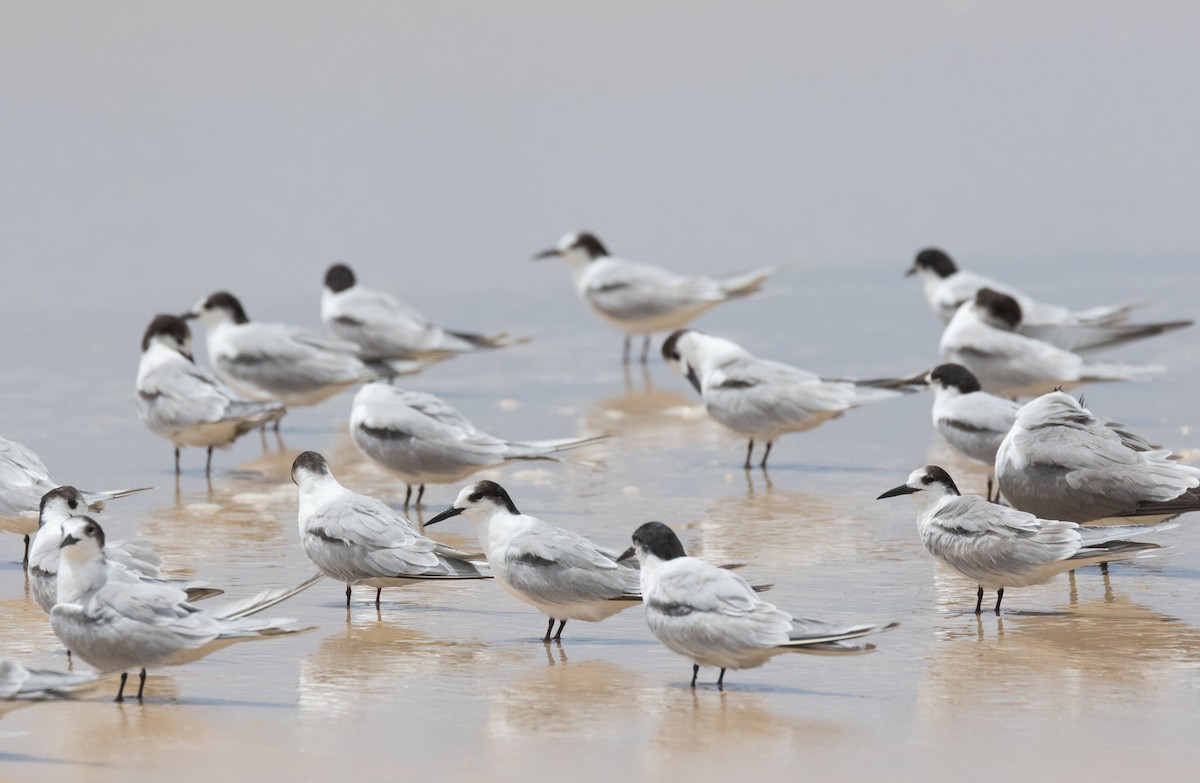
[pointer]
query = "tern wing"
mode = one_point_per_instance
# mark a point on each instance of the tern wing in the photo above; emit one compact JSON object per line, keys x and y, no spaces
{"x":23,"y":479}
{"x":629,"y":290}
{"x":978,"y":538}
{"x":561,"y":566}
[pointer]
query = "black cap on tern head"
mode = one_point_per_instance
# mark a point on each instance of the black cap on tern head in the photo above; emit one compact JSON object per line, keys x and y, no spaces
{"x":223,"y":300}
{"x":1000,"y":307}
{"x":171,"y":325}
{"x":310,"y":461}
{"x":89,"y":529}
{"x":588,"y":243}
{"x":659,"y":540}
{"x":494,"y":492}
{"x":73,"y":497}
{"x":670,"y":347}
{"x":339,"y":278}
{"x":921,"y":479}
{"x":955,"y":376}
{"x":935,"y":260}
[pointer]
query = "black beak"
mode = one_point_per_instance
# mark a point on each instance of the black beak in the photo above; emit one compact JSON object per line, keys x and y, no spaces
{"x":628,"y":554}
{"x":547,"y":254}
{"x":68,"y":540}
{"x":450,"y":512}
{"x":695,"y":381}
{"x":189,"y":316}
{"x":912,"y":271}
{"x":903,"y":489}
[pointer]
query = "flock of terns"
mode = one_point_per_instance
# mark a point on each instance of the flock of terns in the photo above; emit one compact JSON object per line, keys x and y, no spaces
{"x":1072,"y":489}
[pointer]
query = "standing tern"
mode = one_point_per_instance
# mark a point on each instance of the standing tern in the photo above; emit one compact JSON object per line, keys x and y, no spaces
{"x":712,"y":617}
{"x":762,"y":399}
{"x":557,"y":571}
{"x":640,"y":298}
{"x":277,"y":362}
{"x":982,"y":337}
{"x":185,"y":403}
{"x":114,"y":626}
{"x":1060,"y":461}
{"x":357,"y":539}
{"x":23,"y":481}
{"x":947,"y":287}
{"x":997,"y":547}
{"x":128,"y":561}
{"x":423,"y":440}
{"x":384,"y":328}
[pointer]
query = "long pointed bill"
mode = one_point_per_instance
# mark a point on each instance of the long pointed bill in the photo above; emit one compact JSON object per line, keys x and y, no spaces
{"x":189,"y":316}
{"x":903,"y":489}
{"x":547,"y":254}
{"x":450,"y":512}
{"x":695,"y":381}
{"x":912,"y":271}
{"x":626,"y":555}
{"x":68,"y":540}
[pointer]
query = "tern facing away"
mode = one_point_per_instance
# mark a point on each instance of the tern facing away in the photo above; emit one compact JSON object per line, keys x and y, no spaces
{"x":115,"y":626}
{"x":1060,"y":461}
{"x":762,"y":399}
{"x":713,"y":617}
{"x":383,"y":327}
{"x":185,"y":403}
{"x":128,"y":561}
{"x":557,"y":571}
{"x":23,"y":481}
{"x":277,"y":362}
{"x":423,"y":440}
{"x":997,"y":547}
{"x":982,"y":337}
{"x":947,"y":287}
{"x":640,"y":298}
{"x":357,"y":539}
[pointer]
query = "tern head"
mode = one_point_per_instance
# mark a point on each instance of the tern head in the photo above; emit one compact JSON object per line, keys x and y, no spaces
{"x":171,"y":331}
{"x":339,"y":278}
{"x":997,"y":309}
{"x":482,"y":498}
{"x":60,"y":504}
{"x":656,"y":540}
{"x":932,"y":262}
{"x":675,"y":352}
{"x":309,"y":465}
{"x":578,"y":247}
{"x":82,"y":539}
{"x":927,"y":484}
{"x":219,"y":308}
{"x":954,"y":376}
{"x":1053,"y":409}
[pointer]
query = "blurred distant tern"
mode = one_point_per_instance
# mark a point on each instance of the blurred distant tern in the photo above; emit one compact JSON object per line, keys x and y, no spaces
{"x":266,"y":361}
{"x":640,"y":298}
{"x":128,"y":561}
{"x":947,"y":287}
{"x":115,"y":626}
{"x":423,"y":440}
{"x":185,"y":403}
{"x":18,"y":683}
{"x":357,"y":539}
{"x":981,"y":337}
{"x":997,"y":547}
{"x":762,"y":399}
{"x":383,"y":327}
{"x":23,"y":481}
{"x":561,"y":573}
{"x":1060,"y":461}
{"x":712,"y":617}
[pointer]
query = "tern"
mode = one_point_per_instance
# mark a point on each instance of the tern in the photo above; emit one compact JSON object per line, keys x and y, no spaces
{"x":640,"y":298}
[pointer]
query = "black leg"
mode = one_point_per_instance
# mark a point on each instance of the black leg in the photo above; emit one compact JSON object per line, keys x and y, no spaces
{"x":176,"y":460}
{"x":721,"y":681}
{"x":749,"y":451}
{"x":549,"y":628}
{"x":208,"y":463}
{"x":979,"y":601}
{"x":766,"y":454}
{"x":999,"y":598}
{"x":378,"y":593}
{"x":25,"y":559}
{"x":407,"y":495}
{"x":121,"y":690}
{"x":646,"y":349}
{"x":989,"y":489}
{"x":695,"y":673}
{"x":420,"y":494}
{"x":1103,"y":566}
{"x":347,"y":596}
{"x":277,"y":423}
{"x":561,"y":624}
{"x":141,"y":684}
{"x":625,"y":353}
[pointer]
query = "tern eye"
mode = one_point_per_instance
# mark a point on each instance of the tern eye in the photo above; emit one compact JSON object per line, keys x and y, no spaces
{"x":475,"y":497}
{"x":89,"y":530}
{"x":72,"y":503}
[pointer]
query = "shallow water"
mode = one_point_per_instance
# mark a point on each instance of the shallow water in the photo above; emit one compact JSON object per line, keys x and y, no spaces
{"x":716,"y":141}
